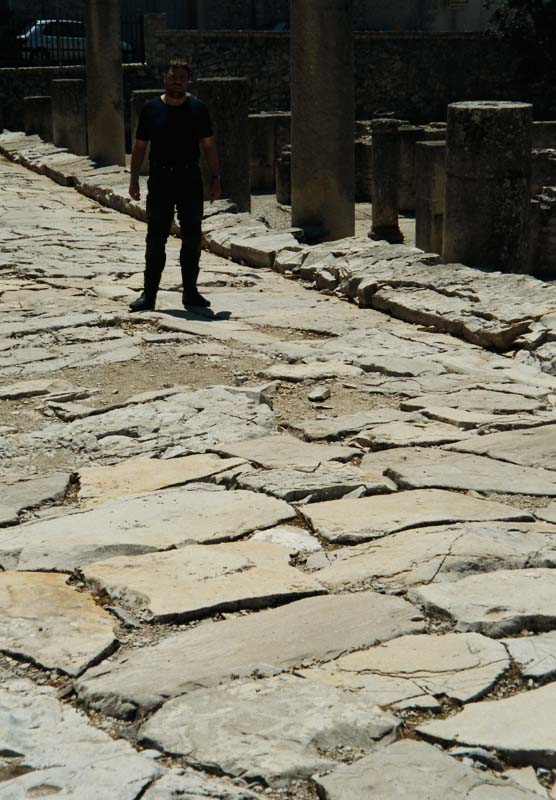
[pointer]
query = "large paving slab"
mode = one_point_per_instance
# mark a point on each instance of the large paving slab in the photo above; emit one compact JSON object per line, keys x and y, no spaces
{"x":497,"y":604}
{"x":195,"y":581}
{"x":534,"y":655}
{"x":483,"y":400}
{"x":409,"y":434}
{"x":424,"y":468}
{"x":332,"y":427}
{"x":140,"y":524}
{"x":437,"y":554}
{"x":285,"y":724}
{"x":15,"y":497}
{"x":54,"y":750}
{"x":283,"y":450}
{"x":520,"y":728}
{"x":412,"y":671}
{"x":372,"y":517}
{"x":148,"y":474}
{"x":317,"y":628}
{"x":533,"y":447}
{"x":45,"y":621}
{"x":416,"y":770}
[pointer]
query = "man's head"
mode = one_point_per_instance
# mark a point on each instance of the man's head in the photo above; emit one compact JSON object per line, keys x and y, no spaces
{"x":176,"y":78}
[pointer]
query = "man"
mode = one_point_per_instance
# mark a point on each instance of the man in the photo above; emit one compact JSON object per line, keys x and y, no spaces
{"x":177,"y":125}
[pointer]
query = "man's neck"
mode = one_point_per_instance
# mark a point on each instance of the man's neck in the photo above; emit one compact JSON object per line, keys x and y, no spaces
{"x":173,"y":101}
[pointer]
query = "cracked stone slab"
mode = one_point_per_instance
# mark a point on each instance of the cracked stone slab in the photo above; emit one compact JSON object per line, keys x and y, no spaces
{"x":49,"y":623}
{"x":332,"y":427}
{"x":483,"y":400}
{"x":316,"y":371}
{"x":31,"y":494}
{"x":548,"y":513}
{"x":148,"y":474}
{"x":317,"y":628}
{"x":195,"y":581}
{"x":413,"y":671}
{"x":497,"y":604}
{"x":416,"y":770}
{"x":140,"y":524}
{"x":419,"y":468}
{"x":16,"y":391}
{"x":409,"y":434}
{"x":437,"y":555}
{"x":327,"y":482}
{"x":282,"y":450}
{"x":57,"y":751}
{"x":520,"y":728}
{"x":532,"y":447}
{"x":191,"y":785}
{"x":352,"y":521}
{"x":295,"y":539}
{"x":284,"y":722}
{"x":534,"y":655}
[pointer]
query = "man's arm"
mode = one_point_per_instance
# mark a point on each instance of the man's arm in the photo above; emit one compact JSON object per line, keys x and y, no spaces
{"x":211,"y":155}
{"x":137,"y":158}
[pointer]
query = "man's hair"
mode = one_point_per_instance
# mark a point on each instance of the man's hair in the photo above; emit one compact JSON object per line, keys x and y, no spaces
{"x":177,"y":63}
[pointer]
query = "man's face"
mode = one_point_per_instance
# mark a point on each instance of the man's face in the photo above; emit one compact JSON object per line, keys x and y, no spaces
{"x":175,"y":82}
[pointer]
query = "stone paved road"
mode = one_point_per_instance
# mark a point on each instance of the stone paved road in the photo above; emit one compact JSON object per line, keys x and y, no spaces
{"x":206,"y":573}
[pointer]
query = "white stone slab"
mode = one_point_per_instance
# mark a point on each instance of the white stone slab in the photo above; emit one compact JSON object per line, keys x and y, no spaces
{"x":192,"y":582}
{"x":283,"y":722}
{"x":409,"y":434}
{"x":372,"y":517}
{"x":332,"y":427}
{"x":317,"y":628}
{"x":296,"y":540}
{"x":315,"y":371}
{"x":534,"y":655}
{"x":532,"y":447}
{"x":44,"y":620}
{"x":496,"y":604}
{"x":283,"y":450}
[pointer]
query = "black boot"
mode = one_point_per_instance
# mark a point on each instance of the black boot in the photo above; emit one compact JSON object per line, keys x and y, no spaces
{"x":191,"y":296}
{"x":143,"y":303}
{"x":147,"y":299}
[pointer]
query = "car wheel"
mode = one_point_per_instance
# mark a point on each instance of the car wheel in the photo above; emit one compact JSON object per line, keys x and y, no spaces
{"x":39,"y":57}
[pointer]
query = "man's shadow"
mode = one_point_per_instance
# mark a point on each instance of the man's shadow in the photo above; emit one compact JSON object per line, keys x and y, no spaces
{"x":197,"y":313}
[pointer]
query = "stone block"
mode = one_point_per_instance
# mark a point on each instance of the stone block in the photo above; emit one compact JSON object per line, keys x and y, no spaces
{"x":69,"y":115}
{"x":37,"y":115}
{"x":430,"y":170}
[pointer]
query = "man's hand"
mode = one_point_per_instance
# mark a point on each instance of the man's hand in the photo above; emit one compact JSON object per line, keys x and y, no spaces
{"x":215,"y":190}
{"x":134,"y":190}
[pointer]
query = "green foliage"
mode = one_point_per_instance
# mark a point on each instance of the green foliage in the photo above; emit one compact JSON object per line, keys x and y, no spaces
{"x":529,"y":27}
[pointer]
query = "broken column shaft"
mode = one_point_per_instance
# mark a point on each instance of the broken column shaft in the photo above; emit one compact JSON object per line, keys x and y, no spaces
{"x":386,"y":180}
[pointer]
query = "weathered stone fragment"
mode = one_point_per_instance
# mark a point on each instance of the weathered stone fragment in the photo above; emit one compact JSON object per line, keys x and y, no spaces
{"x":140,"y":524}
{"x":195,"y":581}
{"x":316,"y":371}
{"x":318,"y":628}
{"x":532,"y":447}
{"x":282,"y":450}
{"x":437,"y":554}
{"x":192,"y":785}
{"x":534,"y":655}
{"x":409,"y":434}
{"x":295,"y":539}
{"x":54,"y":750}
{"x":520,"y":728}
{"x":373,"y":517}
{"x":284,"y":722}
{"x":498,"y":604}
{"x":31,"y":494}
{"x":483,"y":400}
{"x":414,"y":670}
{"x":48,"y":622}
{"x":414,"y":769}
{"x":332,"y":427}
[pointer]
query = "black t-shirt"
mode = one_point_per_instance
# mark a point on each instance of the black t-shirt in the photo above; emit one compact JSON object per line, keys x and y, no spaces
{"x":174,"y":131}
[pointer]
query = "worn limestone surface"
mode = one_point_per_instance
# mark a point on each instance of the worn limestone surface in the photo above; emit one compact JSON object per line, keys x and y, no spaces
{"x":373,"y":517}
{"x":520,"y":727}
{"x":416,"y":769}
{"x":46,"y":621}
{"x":437,"y":554}
{"x":140,"y":524}
{"x":286,"y":723}
{"x":195,"y":581}
{"x":502,"y":602}
{"x":319,"y":628}
{"x":413,"y":671}
{"x":137,"y":415}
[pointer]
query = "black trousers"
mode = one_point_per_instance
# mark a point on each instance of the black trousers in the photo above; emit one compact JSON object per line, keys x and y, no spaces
{"x":173,"y":189}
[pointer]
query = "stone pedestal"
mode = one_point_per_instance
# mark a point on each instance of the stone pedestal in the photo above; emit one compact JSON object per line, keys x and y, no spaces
{"x":268,"y":134}
{"x":409,"y":136}
{"x":488,"y":168}
{"x":386,"y":179}
{"x":284,"y":176}
{"x":138,"y":100}
{"x":37,"y":116}
{"x":69,"y":115}
{"x":323,"y":112}
{"x":430,"y":174}
{"x":228,"y":103}
{"x":105,"y":99}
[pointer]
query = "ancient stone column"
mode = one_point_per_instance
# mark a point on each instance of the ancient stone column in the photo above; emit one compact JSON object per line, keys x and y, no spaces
{"x":323,"y":112}
{"x":69,"y":115}
{"x":386,"y":180}
{"x":138,"y":99}
{"x":488,"y":168}
{"x":228,"y":103}
{"x":284,"y":176}
{"x":37,"y":116}
{"x":409,"y":136}
{"x":105,"y":100}
{"x":430,"y":175}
